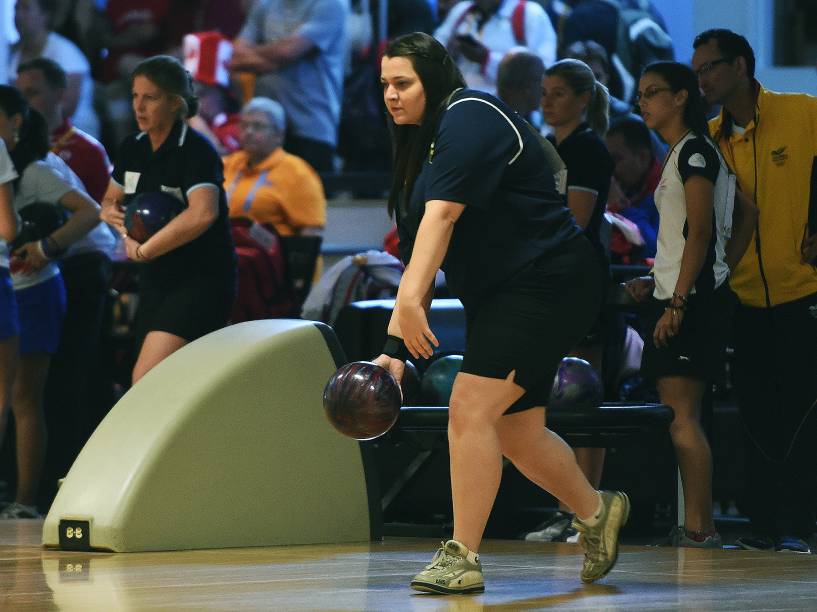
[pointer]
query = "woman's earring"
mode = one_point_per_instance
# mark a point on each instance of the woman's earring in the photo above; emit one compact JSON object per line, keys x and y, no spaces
{"x":16,"y":136}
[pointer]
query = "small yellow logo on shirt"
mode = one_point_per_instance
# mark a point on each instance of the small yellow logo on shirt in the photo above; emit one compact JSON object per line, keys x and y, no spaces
{"x":779,"y":156}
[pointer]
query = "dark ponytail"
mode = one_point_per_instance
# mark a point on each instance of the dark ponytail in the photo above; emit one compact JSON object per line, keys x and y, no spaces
{"x":32,"y":141}
{"x":680,"y":77}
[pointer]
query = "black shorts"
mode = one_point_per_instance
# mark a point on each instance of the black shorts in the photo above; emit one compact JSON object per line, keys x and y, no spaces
{"x":189,"y":309}
{"x":534,"y":320}
{"x":698,"y":349}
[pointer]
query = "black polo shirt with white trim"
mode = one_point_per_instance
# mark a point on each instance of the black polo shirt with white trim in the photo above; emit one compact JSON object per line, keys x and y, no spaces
{"x":486,"y":157}
{"x":589,"y":168}
{"x":185,"y":161}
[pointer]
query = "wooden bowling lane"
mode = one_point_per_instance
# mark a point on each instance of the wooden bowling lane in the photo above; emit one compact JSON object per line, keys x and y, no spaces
{"x":519,"y":575}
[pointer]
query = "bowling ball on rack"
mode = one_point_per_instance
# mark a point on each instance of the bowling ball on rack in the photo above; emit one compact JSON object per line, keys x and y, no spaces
{"x":576,"y":386}
{"x":438,"y":379}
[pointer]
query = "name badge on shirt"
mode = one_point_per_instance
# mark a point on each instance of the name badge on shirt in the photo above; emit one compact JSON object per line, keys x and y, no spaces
{"x":131,"y":180}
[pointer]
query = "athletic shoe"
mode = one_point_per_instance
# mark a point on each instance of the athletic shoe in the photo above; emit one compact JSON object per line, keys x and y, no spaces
{"x":683,"y":538}
{"x":450,"y":572}
{"x":600,"y":542}
{"x":553,"y":529}
{"x":791,"y":544}
{"x":16,"y":510}
{"x":760,"y":542}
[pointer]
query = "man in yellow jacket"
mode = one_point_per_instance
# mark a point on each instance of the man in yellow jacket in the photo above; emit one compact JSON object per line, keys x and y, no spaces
{"x":770,"y":141}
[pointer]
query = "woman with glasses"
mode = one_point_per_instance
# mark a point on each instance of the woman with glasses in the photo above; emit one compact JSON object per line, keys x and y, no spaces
{"x":688,"y":297}
{"x":187,"y":276}
{"x":266,"y":184}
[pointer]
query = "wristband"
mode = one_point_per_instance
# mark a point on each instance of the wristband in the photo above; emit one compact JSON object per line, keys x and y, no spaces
{"x":42,"y":249}
{"x":395,"y":348}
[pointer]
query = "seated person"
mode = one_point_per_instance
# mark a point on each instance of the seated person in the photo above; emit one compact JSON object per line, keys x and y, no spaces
{"x":266,"y":184}
{"x":635,"y":177}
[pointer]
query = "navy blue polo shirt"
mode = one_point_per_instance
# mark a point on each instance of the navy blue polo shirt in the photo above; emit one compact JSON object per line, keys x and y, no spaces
{"x":486,"y":157}
{"x":184,"y":161}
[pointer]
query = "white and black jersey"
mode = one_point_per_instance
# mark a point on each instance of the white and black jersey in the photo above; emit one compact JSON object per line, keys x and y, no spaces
{"x":691,"y":156}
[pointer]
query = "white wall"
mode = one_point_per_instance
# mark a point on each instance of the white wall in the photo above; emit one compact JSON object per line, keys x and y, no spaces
{"x":751,"y":18}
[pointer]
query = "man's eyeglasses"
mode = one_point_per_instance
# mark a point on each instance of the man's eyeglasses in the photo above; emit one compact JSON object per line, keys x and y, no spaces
{"x":650,"y":92}
{"x":255,"y":126}
{"x":710,"y":66}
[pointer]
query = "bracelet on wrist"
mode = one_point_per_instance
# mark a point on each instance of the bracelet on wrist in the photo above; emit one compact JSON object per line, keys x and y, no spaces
{"x":395,"y":348}
{"x":43,"y":250}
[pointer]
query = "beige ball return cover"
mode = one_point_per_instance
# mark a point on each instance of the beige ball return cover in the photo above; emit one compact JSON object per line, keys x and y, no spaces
{"x":223,"y":444}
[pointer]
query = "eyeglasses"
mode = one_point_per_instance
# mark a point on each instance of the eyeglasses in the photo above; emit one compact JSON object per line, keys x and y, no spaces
{"x":650,"y":93}
{"x":255,"y":126}
{"x":710,"y":66}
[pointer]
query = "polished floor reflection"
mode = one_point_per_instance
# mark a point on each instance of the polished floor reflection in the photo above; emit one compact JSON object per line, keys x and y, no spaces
{"x":519,"y":576}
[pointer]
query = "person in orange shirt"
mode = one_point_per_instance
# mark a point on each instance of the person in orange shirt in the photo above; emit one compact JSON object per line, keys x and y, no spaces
{"x":266,"y":184}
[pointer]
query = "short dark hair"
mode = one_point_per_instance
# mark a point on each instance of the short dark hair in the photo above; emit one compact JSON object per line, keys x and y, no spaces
{"x":168,"y":74}
{"x":731,"y":44}
{"x":634,"y":131}
{"x":588,"y":51}
{"x":48,"y":7}
{"x":519,"y":70}
{"x":52,"y":71}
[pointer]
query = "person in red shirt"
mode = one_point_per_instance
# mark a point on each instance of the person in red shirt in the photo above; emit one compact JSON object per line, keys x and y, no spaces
{"x":42,"y":83}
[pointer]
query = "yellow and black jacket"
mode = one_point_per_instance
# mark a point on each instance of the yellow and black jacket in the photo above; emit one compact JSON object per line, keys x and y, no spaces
{"x":775,"y":160}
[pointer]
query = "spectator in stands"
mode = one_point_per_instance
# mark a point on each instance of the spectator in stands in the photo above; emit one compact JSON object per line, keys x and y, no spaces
{"x":770,"y":141}
{"x":629,"y":48}
{"x":187,"y":272}
{"x":594,"y":55}
{"x":267,"y":184}
{"x":9,"y":320}
{"x":134,"y":31}
{"x":37,"y":40}
{"x":519,"y":85}
{"x":575,"y":106}
{"x":38,"y":284}
{"x":519,"y":82}
{"x":43,"y":83}
{"x":297,"y":52}
{"x":689,"y":301}
{"x":483,"y":204}
{"x":636,"y":173}
{"x":205,"y":57}
{"x":85,"y":268}
{"x":479,"y":34}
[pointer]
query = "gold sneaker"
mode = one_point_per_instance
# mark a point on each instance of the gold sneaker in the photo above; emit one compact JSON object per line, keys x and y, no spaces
{"x":600,"y":542}
{"x":451,"y":572}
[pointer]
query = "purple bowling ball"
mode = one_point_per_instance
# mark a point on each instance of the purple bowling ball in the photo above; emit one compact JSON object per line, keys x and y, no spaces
{"x":577,"y":386}
{"x":149,"y":212}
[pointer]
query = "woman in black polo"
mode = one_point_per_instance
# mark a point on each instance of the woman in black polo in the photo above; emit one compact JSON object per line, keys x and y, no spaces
{"x":473,"y":194}
{"x":187,"y":282}
{"x":576,"y":106}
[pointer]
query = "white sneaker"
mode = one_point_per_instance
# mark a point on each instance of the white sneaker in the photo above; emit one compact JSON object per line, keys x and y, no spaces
{"x":16,"y":510}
